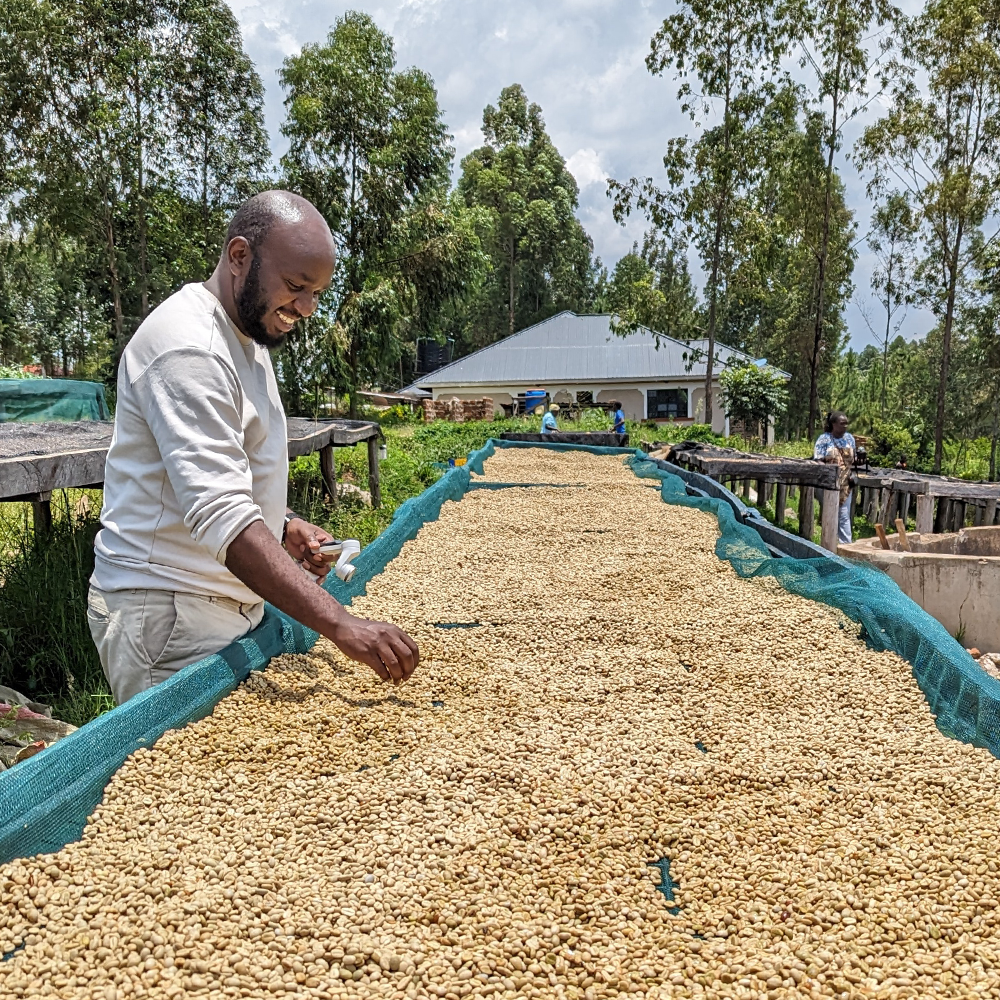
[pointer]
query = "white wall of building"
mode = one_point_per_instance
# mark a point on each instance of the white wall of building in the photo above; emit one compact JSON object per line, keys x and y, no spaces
{"x":504,"y":394}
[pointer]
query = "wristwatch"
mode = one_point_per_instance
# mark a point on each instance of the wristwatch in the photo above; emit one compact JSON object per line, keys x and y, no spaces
{"x":290,"y":516}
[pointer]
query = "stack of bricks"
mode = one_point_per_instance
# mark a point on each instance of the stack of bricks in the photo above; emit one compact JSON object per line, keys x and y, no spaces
{"x":458,"y":410}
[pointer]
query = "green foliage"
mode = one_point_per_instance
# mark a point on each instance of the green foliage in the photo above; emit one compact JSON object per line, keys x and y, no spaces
{"x":940,"y":143}
{"x":651,"y":288}
{"x":126,"y":134}
{"x":889,"y":443}
{"x":753,"y":394}
{"x":46,"y":650}
{"x":540,"y":254}
{"x":16,"y":371}
{"x":369,"y":149}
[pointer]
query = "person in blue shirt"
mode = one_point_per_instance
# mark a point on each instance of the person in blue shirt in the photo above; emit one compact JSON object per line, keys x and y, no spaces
{"x":549,"y":420}
{"x":619,"y":418}
{"x":836,"y":446}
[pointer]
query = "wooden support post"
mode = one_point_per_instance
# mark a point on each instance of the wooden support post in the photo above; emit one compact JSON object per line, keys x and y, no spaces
{"x":41,"y":508}
{"x":991,"y":512}
{"x":829,"y":502}
{"x":328,"y":471}
{"x":374,"y":487}
{"x":959,"y":522}
{"x":885,"y":502}
{"x":942,"y":522}
{"x":871,"y":506}
{"x":925,"y":514}
{"x":904,"y":506}
{"x":807,"y":511}
{"x":977,"y":516}
{"x":746,"y":489}
{"x":780,"y":502}
{"x":761,"y":493}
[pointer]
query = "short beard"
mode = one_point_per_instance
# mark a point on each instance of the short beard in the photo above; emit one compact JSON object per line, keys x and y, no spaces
{"x":251,"y":307}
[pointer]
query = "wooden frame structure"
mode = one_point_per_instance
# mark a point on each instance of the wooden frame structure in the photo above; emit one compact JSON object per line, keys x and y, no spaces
{"x":816,"y":480}
{"x":940,"y":503}
{"x":32,"y":465}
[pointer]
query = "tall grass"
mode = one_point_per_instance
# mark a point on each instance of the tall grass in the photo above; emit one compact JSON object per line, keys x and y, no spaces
{"x":46,"y":651}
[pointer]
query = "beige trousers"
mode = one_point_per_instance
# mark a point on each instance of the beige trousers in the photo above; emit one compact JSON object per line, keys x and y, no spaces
{"x":145,"y":636}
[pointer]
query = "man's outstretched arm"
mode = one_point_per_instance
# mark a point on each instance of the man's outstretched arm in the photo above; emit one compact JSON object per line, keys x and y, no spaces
{"x":256,"y":558}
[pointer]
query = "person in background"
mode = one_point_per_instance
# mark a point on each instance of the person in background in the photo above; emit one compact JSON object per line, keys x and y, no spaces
{"x":619,"y":418}
{"x":549,"y":420}
{"x":836,"y":446}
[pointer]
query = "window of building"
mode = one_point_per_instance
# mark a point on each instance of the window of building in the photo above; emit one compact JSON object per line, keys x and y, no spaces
{"x":585,"y":399}
{"x":667,"y":404}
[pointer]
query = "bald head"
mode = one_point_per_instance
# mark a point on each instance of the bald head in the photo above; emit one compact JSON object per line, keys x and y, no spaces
{"x":279,"y":258}
{"x":257,"y":216}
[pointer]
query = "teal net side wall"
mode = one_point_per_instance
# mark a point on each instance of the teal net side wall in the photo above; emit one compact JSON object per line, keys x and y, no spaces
{"x":964,"y":700}
{"x":45,"y":801}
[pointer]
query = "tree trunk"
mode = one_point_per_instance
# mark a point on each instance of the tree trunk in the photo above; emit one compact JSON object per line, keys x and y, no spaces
{"x":949,"y":322}
{"x":510,"y":289}
{"x":141,"y":202}
{"x":824,"y":250}
{"x":994,"y":436}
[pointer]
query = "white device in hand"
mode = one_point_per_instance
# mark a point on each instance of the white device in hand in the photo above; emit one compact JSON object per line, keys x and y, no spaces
{"x":345,"y":551}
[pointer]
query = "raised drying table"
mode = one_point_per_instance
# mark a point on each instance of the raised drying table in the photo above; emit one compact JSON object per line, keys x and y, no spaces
{"x":36,"y":459}
{"x":728,"y":464}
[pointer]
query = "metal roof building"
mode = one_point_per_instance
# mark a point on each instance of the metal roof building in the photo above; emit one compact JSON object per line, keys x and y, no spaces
{"x":575,"y":357}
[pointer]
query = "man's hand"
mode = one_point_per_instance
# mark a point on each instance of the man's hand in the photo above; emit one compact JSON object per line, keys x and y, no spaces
{"x":256,"y":557}
{"x":389,"y":651}
{"x":302,"y":542}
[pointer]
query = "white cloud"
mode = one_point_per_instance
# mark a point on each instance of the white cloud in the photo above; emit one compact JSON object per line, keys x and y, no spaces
{"x":585,"y":166}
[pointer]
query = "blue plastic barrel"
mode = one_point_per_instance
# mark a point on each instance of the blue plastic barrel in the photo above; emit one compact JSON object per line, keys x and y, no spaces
{"x":534,"y":398}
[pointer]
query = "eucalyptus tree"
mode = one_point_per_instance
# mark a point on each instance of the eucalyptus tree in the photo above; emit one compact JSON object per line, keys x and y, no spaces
{"x":940,"y":144}
{"x":893,"y":242}
{"x":720,"y":51}
{"x":541,"y":255}
{"x":218,"y":130}
{"x":835,"y":37}
{"x":369,"y":148}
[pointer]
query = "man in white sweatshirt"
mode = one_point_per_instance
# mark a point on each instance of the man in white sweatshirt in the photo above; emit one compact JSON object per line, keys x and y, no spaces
{"x":196,"y":534}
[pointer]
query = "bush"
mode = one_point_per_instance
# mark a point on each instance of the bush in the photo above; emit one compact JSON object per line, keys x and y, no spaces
{"x":889,"y":443}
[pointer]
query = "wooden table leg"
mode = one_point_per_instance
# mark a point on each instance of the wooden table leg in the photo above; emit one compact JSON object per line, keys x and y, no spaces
{"x":374,"y":487}
{"x":807,"y":511}
{"x":829,"y":519}
{"x":925,"y":514}
{"x":780,"y":502}
{"x":991,"y":513}
{"x":42,"y":512}
{"x":328,"y":470}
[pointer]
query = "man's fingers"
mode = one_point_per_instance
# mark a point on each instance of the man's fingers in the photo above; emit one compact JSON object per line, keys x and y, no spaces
{"x":378,"y":666}
{"x":406,"y":656}
{"x":411,"y":645}
{"x":391,"y":660}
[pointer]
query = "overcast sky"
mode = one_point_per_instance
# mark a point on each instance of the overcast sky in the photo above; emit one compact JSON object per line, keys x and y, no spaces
{"x":581,"y":60}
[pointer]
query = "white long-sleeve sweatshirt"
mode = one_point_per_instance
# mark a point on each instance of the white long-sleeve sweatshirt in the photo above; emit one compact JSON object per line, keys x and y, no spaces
{"x":199,"y":452}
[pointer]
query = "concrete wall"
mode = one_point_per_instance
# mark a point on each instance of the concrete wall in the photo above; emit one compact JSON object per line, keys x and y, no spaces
{"x":960,"y":591}
{"x":632,"y":394}
{"x":633,"y":401}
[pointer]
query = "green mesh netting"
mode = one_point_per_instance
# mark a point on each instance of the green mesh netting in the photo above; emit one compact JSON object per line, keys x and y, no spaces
{"x":35,"y":400}
{"x":964,"y":699}
{"x":44,"y":802}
